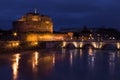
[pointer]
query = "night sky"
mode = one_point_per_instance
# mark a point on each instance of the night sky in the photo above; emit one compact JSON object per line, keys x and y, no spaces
{"x":64,"y":13}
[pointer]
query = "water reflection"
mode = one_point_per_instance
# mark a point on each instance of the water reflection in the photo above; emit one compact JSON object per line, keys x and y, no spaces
{"x":53,"y":59}
{"x":59,"y":64}
{"x":90,"y":51}
{"x":75,"y":52}
{"x":73,"y":55}
{"x":46,"y":61}
{"x":63,"y":53}
{"x":81,"y":53}
{"x":118,"y":54}
{"x":112,"y":62}
{"x":15,"y":66}
{"x":91,"y":58}
{"x":71,"y":58}
{"x":35,"y":58}
{"x":112,"y":56}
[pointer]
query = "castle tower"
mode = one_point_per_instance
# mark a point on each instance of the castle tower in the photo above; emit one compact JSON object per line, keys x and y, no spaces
{"x":33,"y":22}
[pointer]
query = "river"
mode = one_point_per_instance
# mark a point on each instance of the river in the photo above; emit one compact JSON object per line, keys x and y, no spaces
{"x":64,"y":64}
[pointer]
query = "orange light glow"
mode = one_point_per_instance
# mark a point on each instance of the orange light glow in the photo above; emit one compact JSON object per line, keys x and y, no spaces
{"x":53,"y":59}
{"x":94,"y":44}
{"x":81,"y":44}
{"x":118,"y":45}
{"x":15,"y":34}
{"x":32,"y":37}
{"x":35,"y":60}
{"x":47,"y":22}
{"x":90,"y":51}
{"x":15,"y":66}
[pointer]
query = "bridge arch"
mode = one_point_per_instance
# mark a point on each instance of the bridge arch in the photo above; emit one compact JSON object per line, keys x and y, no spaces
{"x":57,"y":45}
{"x":109,"y":47}
{"x":87,"y":46}
{"x":70,"y":45}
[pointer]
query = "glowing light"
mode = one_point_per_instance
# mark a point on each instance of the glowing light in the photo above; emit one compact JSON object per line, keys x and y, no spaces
{"x":35,"y":18}
{"x":90,"y":51}
{"x":15,"y":44}
{"x":12,"y":44}
{"x":91,"y":58}
{"x":81,"y":44}
{"x":47,"y":22}
{"x":112,"y":57}
{"x":75,"y":44}
{"x":118,"y":45}
{"x":53,"y":59}
{"x":113,"y":37}
{"x":90,"y":35}
{"x":32,"y":37}
{"x":45,"y":37}
{"x":15,"y":66}
{"x":36,"y":43}
{"x":35,"y":60}
{"x":15,"y":33}
{"x":94,"y":44}
{"x":71,"y":59}
{"x":100,"y":46}
{"x":64,"y":44}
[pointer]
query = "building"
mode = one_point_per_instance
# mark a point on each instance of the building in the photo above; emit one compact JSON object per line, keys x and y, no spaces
{"x":36,"y":27}
{"x":33,"y":22}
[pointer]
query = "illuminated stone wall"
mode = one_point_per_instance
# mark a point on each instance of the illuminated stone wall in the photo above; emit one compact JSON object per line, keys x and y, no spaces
{"x":33,"y":22}
{"x":45,"y":37}
{"x":36,"y":27}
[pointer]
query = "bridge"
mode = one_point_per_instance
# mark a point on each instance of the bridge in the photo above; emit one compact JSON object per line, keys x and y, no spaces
{"x":63,"y":44}
{"x":94,"y":44}
{"x":83,"y":44}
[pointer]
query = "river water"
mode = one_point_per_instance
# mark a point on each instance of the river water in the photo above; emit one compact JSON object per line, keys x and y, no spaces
{"x":64,"y":64}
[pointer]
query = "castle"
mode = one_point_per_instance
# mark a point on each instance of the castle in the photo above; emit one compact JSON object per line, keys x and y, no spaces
{"x":36,"y":27}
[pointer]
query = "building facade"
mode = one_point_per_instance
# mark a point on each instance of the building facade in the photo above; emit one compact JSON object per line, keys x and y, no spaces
{"x":36,"y":27}
{"x":33,"y":22}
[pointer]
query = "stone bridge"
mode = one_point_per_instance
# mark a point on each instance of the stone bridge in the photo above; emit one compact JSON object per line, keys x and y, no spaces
{"x":93,"y":44}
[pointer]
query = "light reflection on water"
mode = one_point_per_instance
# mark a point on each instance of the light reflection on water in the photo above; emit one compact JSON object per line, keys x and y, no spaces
{"x":91,"y":58}
{"x":35,"y":61}
{"x":15,"y":66}
{"x":65,"y":64}
{"x":71,"y":58}
{"x":112,"y":57}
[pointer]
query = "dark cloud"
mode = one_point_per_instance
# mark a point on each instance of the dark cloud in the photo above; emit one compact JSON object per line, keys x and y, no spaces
{"x":68,"y":13}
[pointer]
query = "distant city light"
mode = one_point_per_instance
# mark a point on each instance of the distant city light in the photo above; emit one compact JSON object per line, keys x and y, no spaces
{"x":15,"y":33}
